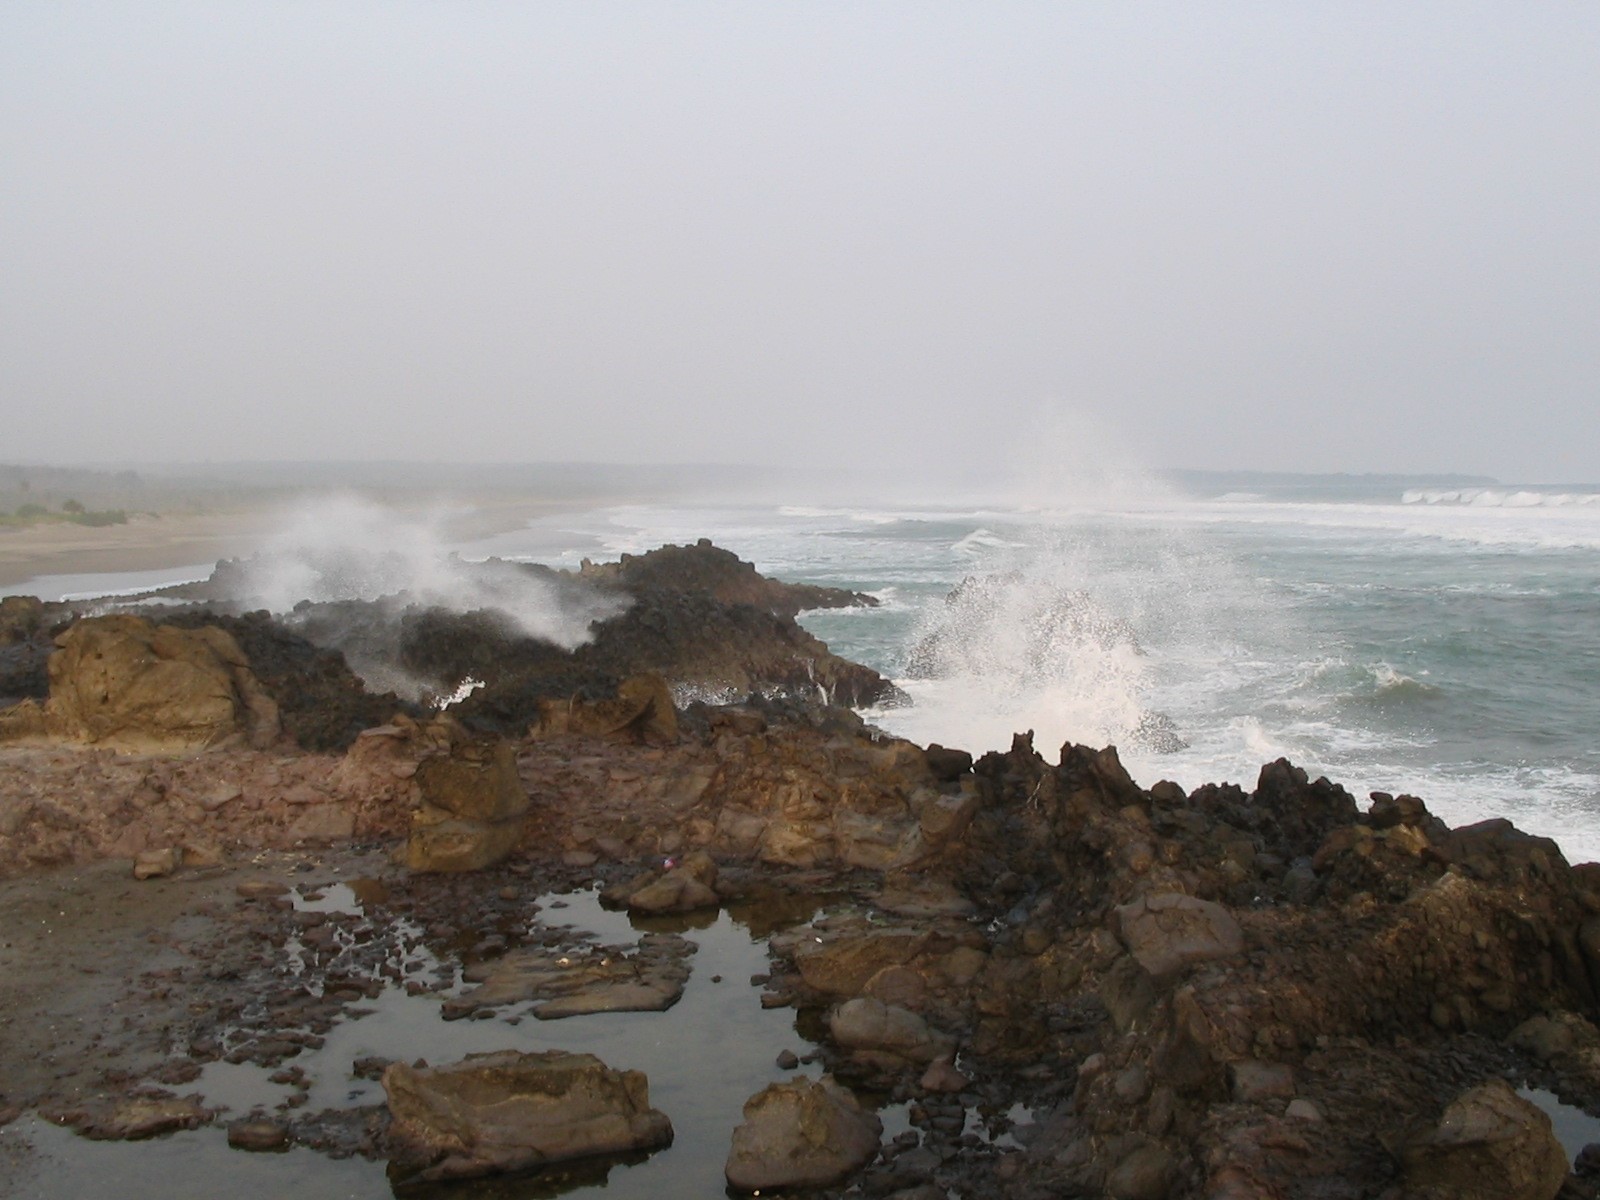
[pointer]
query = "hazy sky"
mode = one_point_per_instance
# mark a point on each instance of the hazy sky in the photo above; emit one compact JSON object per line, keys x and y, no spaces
{"x":1284,"y":235}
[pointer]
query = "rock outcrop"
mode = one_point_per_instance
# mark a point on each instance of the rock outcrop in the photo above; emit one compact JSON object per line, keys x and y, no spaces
{"x":470,"y":804}
{"x":122,"y":683}
{"x":510,"y":1111}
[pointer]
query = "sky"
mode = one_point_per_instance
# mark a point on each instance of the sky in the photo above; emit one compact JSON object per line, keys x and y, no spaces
{"x":883,"y":236}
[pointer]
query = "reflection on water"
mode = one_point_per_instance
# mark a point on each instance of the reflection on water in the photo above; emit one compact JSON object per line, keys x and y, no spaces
{"x":1574,"y":1128}
{"x":704,"y":1058}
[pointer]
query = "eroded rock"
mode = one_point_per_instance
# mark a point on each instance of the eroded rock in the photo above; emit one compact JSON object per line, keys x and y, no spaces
{"x":509,"y":1111}
{"x":123,"y":683}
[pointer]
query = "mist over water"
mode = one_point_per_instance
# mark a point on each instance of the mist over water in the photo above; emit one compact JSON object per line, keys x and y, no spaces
{"x":346,"y":548}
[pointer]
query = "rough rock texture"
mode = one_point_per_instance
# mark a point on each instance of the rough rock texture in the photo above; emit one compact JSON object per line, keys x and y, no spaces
{"x":322,"y":703}
{"x":567,"y":983}
{"x":1490,"y":1144}
{"x":470,"y":803}
{"x":706,"y":570}
{"x":61,"y":805}
{"x":681,"y":887}
{"x":801,"y":1134}
{"x":125,"y":684}
{"x":509,"y":1111}
{"x":1170,"y":931}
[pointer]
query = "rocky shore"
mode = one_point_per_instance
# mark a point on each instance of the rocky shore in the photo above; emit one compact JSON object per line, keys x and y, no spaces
{"x":220,"y":845}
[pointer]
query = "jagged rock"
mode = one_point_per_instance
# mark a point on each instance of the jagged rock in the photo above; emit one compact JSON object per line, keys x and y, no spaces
{"x":947,"y":765}
{"x":471,"y":806}
{"x":801,"y":1134}
{"x":122,"y":683}
{"x":705,"y":569}
{"x":1171,"y":931}
{"x":1490,"y":1144}
{"x":886,"y":1031}
{"x":509,"y":1111}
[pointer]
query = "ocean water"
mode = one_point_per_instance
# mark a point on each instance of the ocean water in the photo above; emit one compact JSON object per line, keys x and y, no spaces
{"x":1392,"y":635}
{"x":1418,"y":636}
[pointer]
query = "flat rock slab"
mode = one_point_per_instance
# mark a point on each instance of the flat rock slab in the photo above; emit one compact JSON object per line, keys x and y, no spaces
{"x":575,"y":982}
{"x":510,"y":1111}
{"x":130,"y":1118}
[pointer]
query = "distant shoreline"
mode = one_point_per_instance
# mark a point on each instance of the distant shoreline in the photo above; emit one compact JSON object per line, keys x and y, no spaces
{"x":154,"y":543}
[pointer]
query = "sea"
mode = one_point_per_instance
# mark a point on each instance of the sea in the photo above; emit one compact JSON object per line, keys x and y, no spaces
{"x":1428,"y":635}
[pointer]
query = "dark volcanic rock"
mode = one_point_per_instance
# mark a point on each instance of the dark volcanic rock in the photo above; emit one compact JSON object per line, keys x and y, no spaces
{"x":322,"y":703}
{"x":706,"y":570}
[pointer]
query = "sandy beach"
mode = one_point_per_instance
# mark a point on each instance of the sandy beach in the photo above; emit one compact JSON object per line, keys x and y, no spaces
{"x":148,"y":542}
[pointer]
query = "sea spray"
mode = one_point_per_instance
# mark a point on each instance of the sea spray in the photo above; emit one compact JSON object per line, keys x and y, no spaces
{"x":345,"y":549}
{"x":351,"y":549}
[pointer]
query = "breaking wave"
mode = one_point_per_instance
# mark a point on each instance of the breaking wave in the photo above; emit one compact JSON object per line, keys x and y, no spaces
{"x":1500,"y":498}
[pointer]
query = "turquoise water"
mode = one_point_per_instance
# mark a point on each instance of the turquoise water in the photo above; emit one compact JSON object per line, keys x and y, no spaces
{"x":1441,"y":642}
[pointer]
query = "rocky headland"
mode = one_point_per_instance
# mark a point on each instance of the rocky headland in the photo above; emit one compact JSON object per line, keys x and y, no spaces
{"x":1068,"y":983}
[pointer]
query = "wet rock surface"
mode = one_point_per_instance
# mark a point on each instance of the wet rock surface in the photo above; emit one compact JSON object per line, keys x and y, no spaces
{"x":801,"y":1134}
{"x":1058,"y":981}
{"x":509,"y":1111}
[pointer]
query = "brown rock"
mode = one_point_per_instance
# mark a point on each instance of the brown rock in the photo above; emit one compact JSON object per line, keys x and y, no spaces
{"x":801,"y":1134}
{"x":865,"y":1024}
{"x":1171,"y":931}
{"x":258,"y":1135}
{"x":151,"y":864}
{"x":1490,"y":1144}
{"x":510,"y":1111}
{"x":842,"y":966}
{"x":471,"y":805}
{"x":123,"y":683}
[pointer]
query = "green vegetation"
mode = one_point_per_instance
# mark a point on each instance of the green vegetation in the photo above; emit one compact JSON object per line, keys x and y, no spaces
{"x":71,"y":513}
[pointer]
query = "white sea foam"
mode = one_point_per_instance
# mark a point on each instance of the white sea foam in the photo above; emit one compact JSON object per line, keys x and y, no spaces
{"x":1500,"y":498}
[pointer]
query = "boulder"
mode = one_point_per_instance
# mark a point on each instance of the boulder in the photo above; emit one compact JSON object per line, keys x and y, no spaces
{"x":122,"y":683}
{"x":510,"y":1111}
{"x":1490,"y":1144}
{"x":885,"y":1031}
{"x":947,"y":765}
{"x":471,"y":805}
{"x":801,"y":1134}
{"x":1171,"y":931}
{"x":1144,"y":1174}
{"x":685,"y":887}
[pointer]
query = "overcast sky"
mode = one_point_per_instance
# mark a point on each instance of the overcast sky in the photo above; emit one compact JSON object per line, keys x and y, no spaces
{"x":1282,"y":235}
